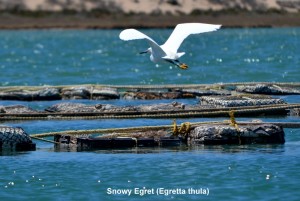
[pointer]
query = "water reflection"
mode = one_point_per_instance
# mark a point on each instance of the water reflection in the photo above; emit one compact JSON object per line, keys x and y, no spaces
{"x":199,"y":148}
{"x":13,"y":153}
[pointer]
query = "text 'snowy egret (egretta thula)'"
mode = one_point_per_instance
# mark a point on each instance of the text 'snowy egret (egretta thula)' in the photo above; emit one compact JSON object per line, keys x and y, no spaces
{"x":168,"y":51}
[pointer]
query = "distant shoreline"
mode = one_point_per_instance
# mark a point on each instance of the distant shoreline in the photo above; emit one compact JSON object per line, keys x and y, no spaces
{"x":119,"y":21}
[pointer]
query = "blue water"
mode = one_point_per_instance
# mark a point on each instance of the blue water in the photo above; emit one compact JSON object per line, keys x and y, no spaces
{"x":80,"y":56}
{"x":58,"y":57}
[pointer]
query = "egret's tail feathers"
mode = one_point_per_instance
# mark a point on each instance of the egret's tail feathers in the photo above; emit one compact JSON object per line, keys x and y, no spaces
{"x":167,"y":58}
{"x":180,"y":54}
{"x":173,"y":57}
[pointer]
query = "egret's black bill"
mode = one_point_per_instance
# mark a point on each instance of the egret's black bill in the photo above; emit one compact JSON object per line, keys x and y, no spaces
{"x":144,"y":52}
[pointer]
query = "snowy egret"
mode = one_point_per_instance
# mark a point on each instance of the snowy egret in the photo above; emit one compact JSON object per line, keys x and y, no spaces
{"x":168,"y":51}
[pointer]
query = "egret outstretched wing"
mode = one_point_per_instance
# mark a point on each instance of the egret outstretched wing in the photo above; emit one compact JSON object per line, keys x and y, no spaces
{"x":182,"y":31}
{"x":133,"y":34}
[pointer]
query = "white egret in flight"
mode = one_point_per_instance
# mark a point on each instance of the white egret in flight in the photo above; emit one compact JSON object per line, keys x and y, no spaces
{"x":168,"y":51}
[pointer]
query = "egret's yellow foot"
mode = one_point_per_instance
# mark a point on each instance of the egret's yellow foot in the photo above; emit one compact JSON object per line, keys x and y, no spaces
{"x":183,"y":66}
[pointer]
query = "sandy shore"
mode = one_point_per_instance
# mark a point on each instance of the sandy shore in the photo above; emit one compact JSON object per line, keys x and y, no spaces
{"x":78,"y":21}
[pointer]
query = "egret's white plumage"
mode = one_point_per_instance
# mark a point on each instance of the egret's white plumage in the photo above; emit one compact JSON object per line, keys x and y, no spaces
{"x":168,"y":51}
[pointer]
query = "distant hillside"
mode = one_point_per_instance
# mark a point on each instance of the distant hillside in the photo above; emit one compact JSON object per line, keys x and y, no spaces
{"x":99,"y":14}
{"x":174,"y":7}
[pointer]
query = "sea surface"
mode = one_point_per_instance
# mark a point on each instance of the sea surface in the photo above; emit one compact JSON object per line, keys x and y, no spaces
{"x":63,"y":57}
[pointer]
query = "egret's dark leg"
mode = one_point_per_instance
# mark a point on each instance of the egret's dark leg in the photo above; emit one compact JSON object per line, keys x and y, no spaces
{"x":144,"y":52}
{"x":171,"y":61}
{"x":182,"y":65}
{"x":177,"y":63}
